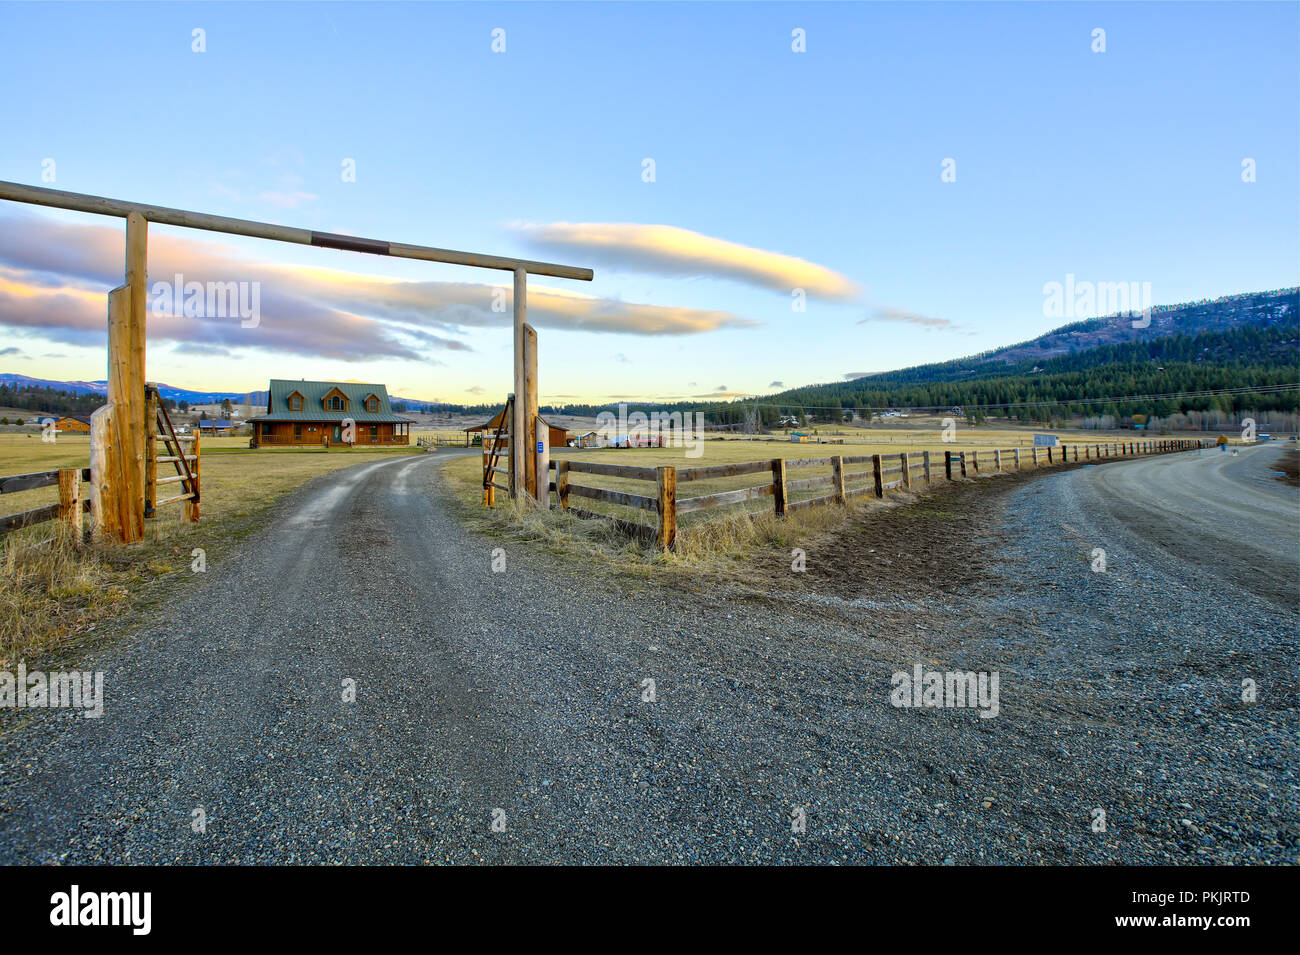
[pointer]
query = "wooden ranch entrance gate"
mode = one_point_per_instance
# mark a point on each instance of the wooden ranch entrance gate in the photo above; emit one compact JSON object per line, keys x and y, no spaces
{"x":120,"y":430}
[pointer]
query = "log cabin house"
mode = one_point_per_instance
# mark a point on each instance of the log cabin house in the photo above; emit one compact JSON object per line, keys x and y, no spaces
{"x":70,"y":423}
{"x":300,"y":413}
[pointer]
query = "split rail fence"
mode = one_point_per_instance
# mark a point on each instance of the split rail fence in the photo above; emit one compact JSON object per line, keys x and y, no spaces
{"x":849,"y":477}
{"x":179,"y":484}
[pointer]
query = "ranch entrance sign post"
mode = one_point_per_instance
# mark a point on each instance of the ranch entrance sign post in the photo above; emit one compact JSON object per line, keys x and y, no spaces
{"x":117,"y":469}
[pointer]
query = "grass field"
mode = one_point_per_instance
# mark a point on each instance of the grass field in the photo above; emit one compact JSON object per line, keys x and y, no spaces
{"x":52,"y":594}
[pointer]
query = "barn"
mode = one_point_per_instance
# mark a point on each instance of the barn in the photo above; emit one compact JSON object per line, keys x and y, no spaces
{"x":73,"y":424}
{"x":321,"y":412}
{"x":559,"y":437}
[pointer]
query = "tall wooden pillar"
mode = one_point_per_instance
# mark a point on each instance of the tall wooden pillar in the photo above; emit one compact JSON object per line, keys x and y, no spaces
{"x":119,"y":474}
{"x":518,"y":428}
{"x":531,"y":476}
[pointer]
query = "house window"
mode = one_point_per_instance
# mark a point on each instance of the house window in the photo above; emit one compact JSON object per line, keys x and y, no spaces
{"x":374,"y":432}
{"x":266,"y":430}
{"x":295,"y":403}
{"x":297,"y":432}
{"x":334,"y":403}
{"x":372,"y":405}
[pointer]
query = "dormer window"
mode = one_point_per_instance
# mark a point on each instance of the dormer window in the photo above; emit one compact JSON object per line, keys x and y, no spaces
{"x":372,"y":404}
{"x":335,"y":400}
{"x":295,"y":402}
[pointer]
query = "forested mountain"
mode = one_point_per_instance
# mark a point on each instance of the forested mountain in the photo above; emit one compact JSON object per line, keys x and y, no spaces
{"x":1241,"y":342}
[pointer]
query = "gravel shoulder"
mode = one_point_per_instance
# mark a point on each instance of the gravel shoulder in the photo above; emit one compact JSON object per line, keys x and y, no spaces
{"x":522,"y":691}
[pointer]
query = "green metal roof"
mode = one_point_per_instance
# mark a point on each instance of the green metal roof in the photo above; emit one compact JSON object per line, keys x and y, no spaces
{"x":313,"y":403}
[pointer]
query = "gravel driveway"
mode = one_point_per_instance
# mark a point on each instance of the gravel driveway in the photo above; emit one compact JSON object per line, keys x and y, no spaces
{"x":523,"y":691}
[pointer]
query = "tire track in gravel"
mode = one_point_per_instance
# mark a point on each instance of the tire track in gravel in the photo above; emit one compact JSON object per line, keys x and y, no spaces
{"x":522,"y":690}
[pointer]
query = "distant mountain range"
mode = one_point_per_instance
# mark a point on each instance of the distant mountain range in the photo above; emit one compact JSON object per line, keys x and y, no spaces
{"x":1235,"y":342}
{"x":167,"y":391}
{"x":1253,"y":338}
{"x":1272,"y":309}
{"x":101,"y":388}
{"x":1249,"y":344}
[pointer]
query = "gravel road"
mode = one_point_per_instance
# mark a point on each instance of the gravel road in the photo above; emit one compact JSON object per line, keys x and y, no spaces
{"x":522,"y":691}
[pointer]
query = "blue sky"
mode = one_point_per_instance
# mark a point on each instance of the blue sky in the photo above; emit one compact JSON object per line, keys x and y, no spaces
{"x":1122,"y":166}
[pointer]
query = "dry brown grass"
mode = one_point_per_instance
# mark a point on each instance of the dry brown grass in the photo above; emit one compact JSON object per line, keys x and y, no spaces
{"x":723,"y":542}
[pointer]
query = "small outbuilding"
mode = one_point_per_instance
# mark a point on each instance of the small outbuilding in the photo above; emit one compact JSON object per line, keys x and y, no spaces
{"x":558,"y":438}
{"x":214,"y":426}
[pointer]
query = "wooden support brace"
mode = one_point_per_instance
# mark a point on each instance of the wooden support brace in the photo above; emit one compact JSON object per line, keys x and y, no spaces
{"x":190,"y":509}
{"x":150,"y":452}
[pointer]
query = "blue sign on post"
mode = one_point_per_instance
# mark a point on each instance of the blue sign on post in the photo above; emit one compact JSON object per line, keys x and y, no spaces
{"x":539,"y":447}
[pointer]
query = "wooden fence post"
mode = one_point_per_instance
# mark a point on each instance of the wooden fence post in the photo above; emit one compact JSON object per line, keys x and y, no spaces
{"x":190,"y":507}
{"x":151,"y":452}
{"x":103,"y":474}
{"x":70,"y":502}
{"x":667,"y":477}
{"x":542,"y":452}
{"x":926,"y":463}
{"x":997,"y":459}
{"x":947,"y":465}
{"x":907,"y":471}
{"x":975,"y":461}
{"x":778,"y":487}
{"x":1015,"y":453}
{"x":878,"y":476}
{"x":962,"y":457}
{"x":1035,"y":450}
{"x":837,"y":478}
{"x":562,"y":484}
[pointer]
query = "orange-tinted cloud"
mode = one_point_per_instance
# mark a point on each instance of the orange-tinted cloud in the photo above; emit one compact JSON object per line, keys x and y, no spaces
{"x":53,"y":276}
{"x":669,"y":250}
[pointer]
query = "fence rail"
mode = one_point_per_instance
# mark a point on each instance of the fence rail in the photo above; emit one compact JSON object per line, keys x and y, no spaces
{"x":69,"y":509}
{"x":162,"y":445}
{"x":904,"y":470}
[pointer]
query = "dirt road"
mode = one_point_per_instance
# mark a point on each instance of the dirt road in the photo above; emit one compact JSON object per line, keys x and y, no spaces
{"x":1120,"y":691}
{"x":1227,"y":514}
